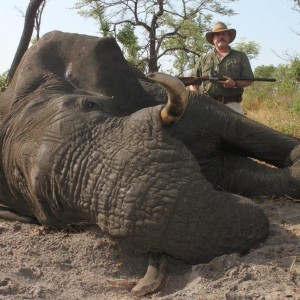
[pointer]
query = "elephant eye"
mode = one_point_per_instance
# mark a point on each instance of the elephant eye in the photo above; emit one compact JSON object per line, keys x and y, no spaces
{"x":89,"y":104}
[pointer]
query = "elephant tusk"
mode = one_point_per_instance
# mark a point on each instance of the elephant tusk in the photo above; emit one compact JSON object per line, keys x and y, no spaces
{"x":177,"y":97}
{"x":154,"y":276}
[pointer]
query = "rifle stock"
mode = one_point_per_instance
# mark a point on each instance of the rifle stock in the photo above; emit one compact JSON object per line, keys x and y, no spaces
{"x":198,"y":80}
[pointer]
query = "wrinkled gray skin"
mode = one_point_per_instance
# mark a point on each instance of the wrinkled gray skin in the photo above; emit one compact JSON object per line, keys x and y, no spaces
{"x":82,"y":140}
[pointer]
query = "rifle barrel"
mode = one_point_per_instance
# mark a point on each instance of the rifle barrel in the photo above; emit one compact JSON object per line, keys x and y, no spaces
{"x":243,"y":78}
{"x":192,"y":80}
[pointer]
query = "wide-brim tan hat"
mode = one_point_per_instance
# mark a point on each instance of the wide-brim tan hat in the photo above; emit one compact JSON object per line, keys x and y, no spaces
{"x":219,"y":27}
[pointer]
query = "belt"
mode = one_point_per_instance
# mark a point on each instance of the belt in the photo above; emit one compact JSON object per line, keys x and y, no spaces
{"x":226,"y":100}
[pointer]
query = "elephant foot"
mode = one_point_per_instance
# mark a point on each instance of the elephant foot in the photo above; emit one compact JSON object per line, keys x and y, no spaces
{"x":295,"y":173}
{"x":154,"y":276}
{"x":293,"y":157}
{"x":295,"y":170}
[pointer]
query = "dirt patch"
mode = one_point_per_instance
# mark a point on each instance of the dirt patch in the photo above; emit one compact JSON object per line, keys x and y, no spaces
{"x":36,"y":263}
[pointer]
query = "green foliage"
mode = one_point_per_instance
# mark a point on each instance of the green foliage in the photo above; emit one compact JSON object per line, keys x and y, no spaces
{"x":3,"y":81}
{"x":251,"y":48}
{"x":265,"y":71}
{"x":287,"y":73}
{"x":276,"y":104}
{"x":295,"y":69}
{"x":129,"y":40}
{"x":294,"y":107}
{"x":95,"y":11}
{"x":190,"y":37}
{"x":152,"y":30}
{"x":285,"y":87}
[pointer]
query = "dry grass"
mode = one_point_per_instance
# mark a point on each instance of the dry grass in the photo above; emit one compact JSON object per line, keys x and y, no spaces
{"x":276,"y":118}
{"x":275,"y":114}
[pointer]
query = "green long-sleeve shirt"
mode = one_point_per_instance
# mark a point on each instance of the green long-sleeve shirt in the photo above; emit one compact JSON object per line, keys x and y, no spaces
{"x":234,"y":64}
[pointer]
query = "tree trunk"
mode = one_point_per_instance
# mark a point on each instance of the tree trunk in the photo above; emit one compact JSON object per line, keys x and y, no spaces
{"x":152,"y":55}
{"x":31,"y":12}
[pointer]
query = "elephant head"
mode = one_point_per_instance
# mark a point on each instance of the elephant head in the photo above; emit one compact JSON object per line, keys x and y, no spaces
{"x":84,"y":138}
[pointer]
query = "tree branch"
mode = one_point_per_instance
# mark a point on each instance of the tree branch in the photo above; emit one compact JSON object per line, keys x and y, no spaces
{"x":30,"y":15}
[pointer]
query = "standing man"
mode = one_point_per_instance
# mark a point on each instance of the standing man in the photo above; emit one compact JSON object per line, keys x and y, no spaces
{"x":223,"y":62}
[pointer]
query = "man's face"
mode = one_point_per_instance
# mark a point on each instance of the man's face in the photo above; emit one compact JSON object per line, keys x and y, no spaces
{"x":221,"y":39}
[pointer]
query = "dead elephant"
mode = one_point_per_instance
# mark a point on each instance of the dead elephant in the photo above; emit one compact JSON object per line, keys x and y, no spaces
{"x":84,"y":137}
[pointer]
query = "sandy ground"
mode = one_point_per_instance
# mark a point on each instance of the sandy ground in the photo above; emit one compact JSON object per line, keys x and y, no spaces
{"x":36,"y":263}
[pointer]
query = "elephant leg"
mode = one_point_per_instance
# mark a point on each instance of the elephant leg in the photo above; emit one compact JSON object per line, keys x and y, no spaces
{"x":249,"y":177}
{"x":154,"y":276}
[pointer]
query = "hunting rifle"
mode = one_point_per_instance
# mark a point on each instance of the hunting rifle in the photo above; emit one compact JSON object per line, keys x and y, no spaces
{"x":198,"y":80}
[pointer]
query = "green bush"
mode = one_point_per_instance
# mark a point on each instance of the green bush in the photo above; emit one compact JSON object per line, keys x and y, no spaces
{"x":277,"y":104}
{"x":3,"y":82}
{"x":294,"y":107}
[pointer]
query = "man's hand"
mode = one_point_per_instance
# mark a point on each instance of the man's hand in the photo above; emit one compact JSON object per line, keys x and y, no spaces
{"x":194,"y":88}
{"x":229,"y":83}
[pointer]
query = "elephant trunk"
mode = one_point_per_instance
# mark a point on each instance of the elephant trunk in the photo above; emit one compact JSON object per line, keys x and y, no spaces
{"x":158,"y":200}
{"x":177,"y":98}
